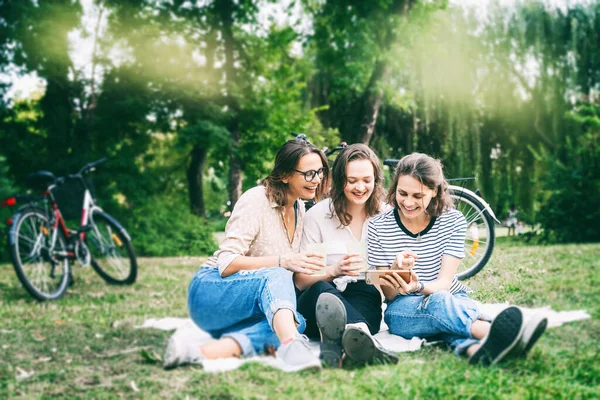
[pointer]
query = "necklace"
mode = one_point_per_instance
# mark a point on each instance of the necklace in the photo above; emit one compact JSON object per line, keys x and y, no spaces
{"x":288,"y":222}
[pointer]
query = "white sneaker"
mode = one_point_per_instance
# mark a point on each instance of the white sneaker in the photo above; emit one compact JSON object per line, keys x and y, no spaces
{"x":297,"y":355}
{"x":181,"y":350}
{"x":533,"y":328}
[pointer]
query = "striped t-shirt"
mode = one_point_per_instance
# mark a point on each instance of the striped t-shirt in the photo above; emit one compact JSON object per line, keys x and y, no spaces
{"x":445,"y":235}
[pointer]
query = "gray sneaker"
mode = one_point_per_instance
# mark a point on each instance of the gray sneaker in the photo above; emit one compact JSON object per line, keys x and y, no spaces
{"x":182,"y":349}
{"x":331,"y":320}
{"x":532,"y":330}
{"x":297,"y":355}
{"x":362,"y":347}
{"x":504,"y":335}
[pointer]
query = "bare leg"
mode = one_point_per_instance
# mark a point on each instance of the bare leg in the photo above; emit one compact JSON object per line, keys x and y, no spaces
{"x":226,"y":347}
{"x":284,"y":324}
{"x":479,"y":330}
{"x":472,"y":349}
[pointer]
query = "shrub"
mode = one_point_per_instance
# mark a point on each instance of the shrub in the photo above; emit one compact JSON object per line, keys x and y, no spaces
{"x":162,"y":227}
{"x":569,"y":209}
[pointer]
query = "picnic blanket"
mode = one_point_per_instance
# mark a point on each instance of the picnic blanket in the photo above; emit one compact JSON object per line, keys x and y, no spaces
{"x":397,"y":344}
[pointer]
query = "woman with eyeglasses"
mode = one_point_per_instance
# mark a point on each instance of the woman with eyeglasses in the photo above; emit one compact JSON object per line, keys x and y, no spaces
{"x":338,"y":305}
{"x":244,"y":295}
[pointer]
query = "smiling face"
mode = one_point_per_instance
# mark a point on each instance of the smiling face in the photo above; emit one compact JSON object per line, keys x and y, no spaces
{"x":413,"y":198}
{"x":298,"y":187}
{"x":360,"y":181}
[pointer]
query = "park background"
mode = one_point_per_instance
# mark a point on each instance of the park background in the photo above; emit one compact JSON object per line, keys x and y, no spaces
{"x":190,"y":100}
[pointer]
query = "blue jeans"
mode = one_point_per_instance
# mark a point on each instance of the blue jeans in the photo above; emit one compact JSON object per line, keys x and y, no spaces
{"x":241,"y":306}
{"x":442,"y":314}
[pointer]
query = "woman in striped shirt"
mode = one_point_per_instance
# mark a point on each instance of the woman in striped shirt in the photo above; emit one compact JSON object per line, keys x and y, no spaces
{"x":423,"y":232}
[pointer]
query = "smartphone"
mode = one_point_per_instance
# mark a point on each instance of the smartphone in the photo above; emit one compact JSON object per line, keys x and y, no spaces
{"x":372,"y":276}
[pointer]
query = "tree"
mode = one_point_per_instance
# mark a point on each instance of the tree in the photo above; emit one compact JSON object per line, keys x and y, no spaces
{"x":34,"y":36}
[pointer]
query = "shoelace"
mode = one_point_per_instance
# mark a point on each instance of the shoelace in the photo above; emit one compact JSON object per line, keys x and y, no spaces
{"x":304,"y":339}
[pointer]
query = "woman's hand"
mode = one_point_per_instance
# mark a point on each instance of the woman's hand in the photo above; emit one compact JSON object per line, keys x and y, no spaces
{"x":395,"y":281}
{"x":405,"y":260}
{"x":306,"y":263}
{"x":349,"y":265}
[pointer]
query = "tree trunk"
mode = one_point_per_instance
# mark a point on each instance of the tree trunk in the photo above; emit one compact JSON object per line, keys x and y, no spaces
{"x":235,"y":170}
{"x":57,"y":109}
{"x":235,"y":163}
{"x":194,"y":177}
{"x":84,"y":132}
{"x":372,"y":97}
{"x":371,"y":102}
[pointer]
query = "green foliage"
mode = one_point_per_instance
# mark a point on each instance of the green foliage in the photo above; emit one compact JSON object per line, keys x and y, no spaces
{"x":6,"y":184}
{"x":569,"y":210}
{"x":7,"y":188}
{"x":164,"y":227}
{"x":491,"y":98}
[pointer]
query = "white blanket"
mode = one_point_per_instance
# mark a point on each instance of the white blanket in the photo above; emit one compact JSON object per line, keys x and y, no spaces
{"x":397,"y":344}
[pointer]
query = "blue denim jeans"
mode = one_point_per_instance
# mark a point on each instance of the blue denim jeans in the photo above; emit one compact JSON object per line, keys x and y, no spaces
{"x":442,"y":314}
{"x":241,"y":306}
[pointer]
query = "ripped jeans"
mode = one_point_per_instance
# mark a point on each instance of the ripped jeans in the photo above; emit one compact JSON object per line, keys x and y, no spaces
{"x":442,"y":314}
{"x":241,"y":306}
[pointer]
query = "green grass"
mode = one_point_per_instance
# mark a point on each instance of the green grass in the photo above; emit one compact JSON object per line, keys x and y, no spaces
{"x":86,"y":346}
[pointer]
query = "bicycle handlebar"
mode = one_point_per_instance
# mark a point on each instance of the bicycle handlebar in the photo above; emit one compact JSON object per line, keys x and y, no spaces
{"x":86,"y":168}
{"x":91,"y":166}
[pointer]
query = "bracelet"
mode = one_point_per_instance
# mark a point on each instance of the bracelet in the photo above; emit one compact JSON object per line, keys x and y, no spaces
{"x":419,"y":289}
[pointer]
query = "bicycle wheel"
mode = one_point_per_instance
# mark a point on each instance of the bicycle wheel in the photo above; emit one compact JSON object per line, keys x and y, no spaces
{"x":43,"y":269}
{"x":112,"y":254}
{"x":479,"y":242}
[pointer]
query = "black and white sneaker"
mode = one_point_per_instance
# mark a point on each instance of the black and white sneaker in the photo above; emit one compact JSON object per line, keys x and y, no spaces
{"x":533,"y":329}
{"x":331,"y":321}
{"x":505,"y":333}
{"x":362,"y":347}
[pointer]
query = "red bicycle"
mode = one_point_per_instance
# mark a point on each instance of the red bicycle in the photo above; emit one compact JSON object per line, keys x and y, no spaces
{"x":42,"y":248}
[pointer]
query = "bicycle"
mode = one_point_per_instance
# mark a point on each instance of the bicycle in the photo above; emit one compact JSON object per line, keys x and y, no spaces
{"x":481,"y":234}
{"x":42,"y":248}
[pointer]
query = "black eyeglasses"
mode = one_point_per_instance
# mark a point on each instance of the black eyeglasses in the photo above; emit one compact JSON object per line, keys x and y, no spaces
{"x":310,"y":175}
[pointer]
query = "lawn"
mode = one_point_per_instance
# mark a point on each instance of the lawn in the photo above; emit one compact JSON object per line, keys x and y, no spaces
{"x":86,"y":345}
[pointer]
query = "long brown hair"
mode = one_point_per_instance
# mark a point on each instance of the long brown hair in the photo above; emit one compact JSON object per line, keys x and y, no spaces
{"x":430,"y":173}
{"x":339,"y":181}
{"x":286,"y":161}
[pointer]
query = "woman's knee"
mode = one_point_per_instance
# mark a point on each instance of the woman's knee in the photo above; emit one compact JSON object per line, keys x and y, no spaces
{"x":441,"y":295}
{"x":277,"y":273}
{"x":278,"y":276}
{"x":441,"y":298}
{"x":322,"y":287}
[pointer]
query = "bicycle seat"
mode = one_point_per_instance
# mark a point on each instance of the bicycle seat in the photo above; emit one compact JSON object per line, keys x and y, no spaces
{"x":39,"y":180}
